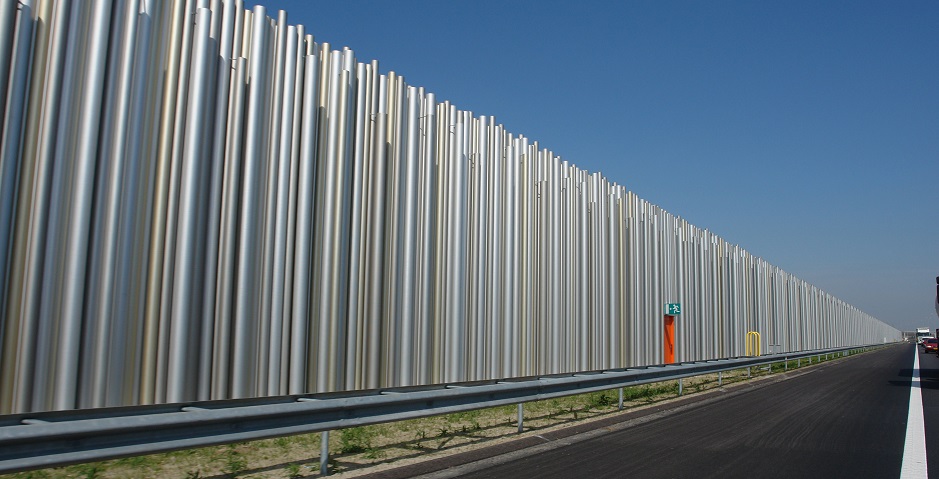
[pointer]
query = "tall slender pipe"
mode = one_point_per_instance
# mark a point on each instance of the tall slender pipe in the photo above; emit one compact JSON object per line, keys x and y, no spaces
{"x":70,"y":314}
{"x":306,"y":191}
{"x":11,"y":141}
{"x":284,"y":160}
{"x":248,"y":267}
{"x":186,"y":306}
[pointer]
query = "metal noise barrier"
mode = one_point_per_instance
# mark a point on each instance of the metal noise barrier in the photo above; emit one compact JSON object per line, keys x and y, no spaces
{"x":200,"y":202}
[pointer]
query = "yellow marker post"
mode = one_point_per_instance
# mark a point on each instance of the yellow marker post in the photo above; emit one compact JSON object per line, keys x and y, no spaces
{"x":753,"y":343}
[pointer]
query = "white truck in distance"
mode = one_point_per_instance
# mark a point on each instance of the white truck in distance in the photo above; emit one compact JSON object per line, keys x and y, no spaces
{"x":922,"y":333}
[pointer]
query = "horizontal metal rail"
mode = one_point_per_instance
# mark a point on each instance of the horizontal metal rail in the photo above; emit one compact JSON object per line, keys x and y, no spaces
{"x":57,"y":438}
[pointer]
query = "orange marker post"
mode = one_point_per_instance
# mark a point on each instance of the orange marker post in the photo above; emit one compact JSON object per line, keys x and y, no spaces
{"x":669,"y":346}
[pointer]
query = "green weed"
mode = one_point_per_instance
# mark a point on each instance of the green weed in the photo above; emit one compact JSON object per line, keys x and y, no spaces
{"x":355,"y":440}
{"x":293,"y":470}
{"x":235,"y":462}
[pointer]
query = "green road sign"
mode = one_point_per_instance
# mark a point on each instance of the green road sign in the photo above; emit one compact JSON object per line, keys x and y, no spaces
{"x":673,"y":308}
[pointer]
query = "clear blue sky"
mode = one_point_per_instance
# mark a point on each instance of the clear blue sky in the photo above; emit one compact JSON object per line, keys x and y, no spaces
{"x":805,"y":131}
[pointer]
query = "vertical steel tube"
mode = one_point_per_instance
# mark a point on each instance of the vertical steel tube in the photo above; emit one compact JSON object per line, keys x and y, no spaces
{"x":184,"y":331}
{"x":247,"y":299}
{"x":8,"y":14}
{"x":25,"y":293}
{"x":222,"y":359}
{"x":428,"y":254}
{"x":353,"y":368}
{"x":117,"y":126}
{"x":222,"y":30}
{"x":284,"y":159}
{"x":79,"y":209}
{"x":11,"y":140}
{"x":304,"y":239}
{"x":268,"y":345}
{"x":408,"y":249}
{"x":376,"y":240}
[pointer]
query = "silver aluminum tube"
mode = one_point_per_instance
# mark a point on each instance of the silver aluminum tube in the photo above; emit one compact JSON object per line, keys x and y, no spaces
{"x":281,"y":209}
{"x":247,"y":299}
{"x":117,"y":126}
{"x":352,"y":371}
{"x":407,"y":208}
{"x":324,"y":266}
{"x":15,"y":37}
{"x":374,"y":295}
{"x":8,"y":14}
{"x":122,"y":378}
{"x":391,"y":297}
{"x":456,"y":312}
{"x":222,"y":31}
{"x":11,"y":140}
{"x":164,"y":144}
{"x":172,"y":211}
{"x":304,"y":238}
{"x":496,"y":264}
{"x":185,"y":330}
{"x":555,"y":228}
{"x":427,"y":257}
{"x":339,"y":329}
{"x":92,"y":326}
{"x":510,"y":283}
{"x":332,"y":246}
{"x":42,"y":393}
{"x":79,"y":206}
{"x":299,"y":56}
{"x":268,"y":346}
{"x":24,"y":300}
{"x":222,"y":358}
{"x":481,"y":263}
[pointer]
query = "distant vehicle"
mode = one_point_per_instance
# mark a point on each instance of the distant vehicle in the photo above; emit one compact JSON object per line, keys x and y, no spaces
{"x":922,"y":333}
{"x":930,"y":345}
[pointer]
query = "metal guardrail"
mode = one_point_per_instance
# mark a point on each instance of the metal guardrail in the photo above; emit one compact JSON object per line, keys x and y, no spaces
{"x":58,"y":438}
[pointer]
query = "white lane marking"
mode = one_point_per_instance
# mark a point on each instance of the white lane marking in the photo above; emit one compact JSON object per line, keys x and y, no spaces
{"x":914,"y":449}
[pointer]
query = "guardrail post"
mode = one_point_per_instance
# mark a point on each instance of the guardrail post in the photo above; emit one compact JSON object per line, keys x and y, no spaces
{"x":720,"y":378}
{"x":679,"y":386}
{"x":748,"y":372}
{"x":521,"y":417}
{"x":620,"y":399}
{"x":324,"y":453}
{"x":786,"y":364}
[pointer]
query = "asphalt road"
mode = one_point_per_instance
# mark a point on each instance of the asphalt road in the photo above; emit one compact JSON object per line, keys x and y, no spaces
{"x":845,"y":418}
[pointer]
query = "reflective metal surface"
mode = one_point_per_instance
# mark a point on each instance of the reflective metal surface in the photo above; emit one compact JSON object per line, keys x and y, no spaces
{"x":200,"y":202}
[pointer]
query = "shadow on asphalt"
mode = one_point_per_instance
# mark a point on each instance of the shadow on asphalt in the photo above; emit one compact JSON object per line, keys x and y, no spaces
{"x":928,"y":376}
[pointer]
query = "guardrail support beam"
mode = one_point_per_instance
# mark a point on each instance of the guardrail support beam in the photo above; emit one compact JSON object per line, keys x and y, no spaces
{"x":521,"y":417}
{"x":324,"y":453}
